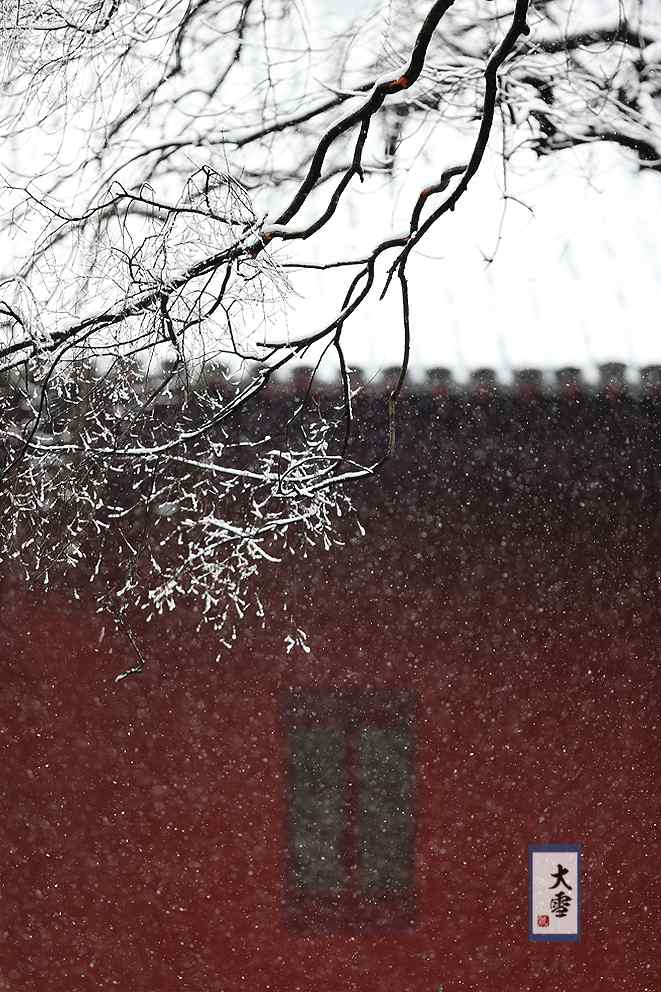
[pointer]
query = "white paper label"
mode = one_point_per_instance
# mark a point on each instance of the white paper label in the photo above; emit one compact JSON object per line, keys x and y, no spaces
{"x":554,"y":892}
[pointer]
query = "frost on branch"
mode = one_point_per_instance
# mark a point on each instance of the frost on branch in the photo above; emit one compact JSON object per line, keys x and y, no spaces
{"x":106,"y":491}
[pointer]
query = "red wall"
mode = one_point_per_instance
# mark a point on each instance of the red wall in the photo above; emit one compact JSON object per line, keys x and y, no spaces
{"x":142,"y":823}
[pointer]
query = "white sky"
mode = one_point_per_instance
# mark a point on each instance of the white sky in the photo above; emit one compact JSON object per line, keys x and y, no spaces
{"x":578,"y":281}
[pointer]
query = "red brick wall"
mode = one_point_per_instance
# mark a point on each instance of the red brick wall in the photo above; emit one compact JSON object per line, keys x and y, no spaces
{"x":142,"y":824}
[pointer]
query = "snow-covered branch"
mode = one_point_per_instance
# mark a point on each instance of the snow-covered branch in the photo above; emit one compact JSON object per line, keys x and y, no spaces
{"x":150,"y":267}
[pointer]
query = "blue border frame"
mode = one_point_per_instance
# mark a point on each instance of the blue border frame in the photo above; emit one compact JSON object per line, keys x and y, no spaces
{"x":542,"y":848}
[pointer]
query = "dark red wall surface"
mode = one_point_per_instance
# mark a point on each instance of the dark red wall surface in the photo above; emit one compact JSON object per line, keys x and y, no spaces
{"x":510,"y":576}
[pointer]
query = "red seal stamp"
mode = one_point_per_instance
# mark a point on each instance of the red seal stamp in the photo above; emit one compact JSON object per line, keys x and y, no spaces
{"x":543,"y":920}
